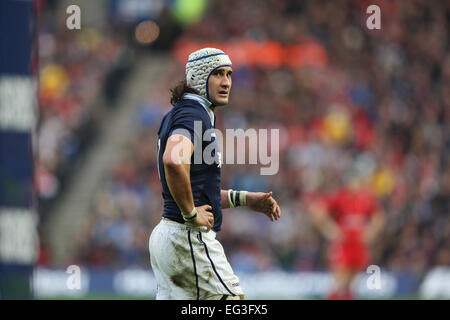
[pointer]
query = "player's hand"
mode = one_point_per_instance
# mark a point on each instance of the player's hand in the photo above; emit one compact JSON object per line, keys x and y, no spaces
{"x":367,"y":237}
{"x":265,"y":203}
{"x":204,"y":217}
{"x":333,"y":233}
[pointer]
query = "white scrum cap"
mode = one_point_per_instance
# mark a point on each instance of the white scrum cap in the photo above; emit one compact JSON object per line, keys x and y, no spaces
{"x":201,"y":64}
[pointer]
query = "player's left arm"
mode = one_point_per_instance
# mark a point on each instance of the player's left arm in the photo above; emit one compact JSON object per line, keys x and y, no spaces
{"x":374,"y":226}
{"x":257,"y":201}
{"x":376,"y":220}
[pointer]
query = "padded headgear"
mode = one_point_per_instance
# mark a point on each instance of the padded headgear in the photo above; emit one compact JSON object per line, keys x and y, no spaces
{"x":201,"y":65}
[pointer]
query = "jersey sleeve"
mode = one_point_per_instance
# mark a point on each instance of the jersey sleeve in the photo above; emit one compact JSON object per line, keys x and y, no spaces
{"x":187,"y":122}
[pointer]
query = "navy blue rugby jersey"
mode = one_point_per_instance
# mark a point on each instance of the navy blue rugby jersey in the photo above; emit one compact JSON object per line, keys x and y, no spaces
{"x":205,"y":172}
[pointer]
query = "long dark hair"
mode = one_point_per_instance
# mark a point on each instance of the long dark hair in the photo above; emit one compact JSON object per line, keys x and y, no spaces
{"x":179,"y":90}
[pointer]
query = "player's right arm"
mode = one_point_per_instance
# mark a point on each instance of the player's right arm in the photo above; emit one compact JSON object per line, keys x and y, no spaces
{"x":324,"y":222}
{"x":176,"y":161}
{"x":374,"y":226}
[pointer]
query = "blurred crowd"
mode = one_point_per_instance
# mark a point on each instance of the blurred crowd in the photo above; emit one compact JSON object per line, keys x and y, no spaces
{"x":78,"y":83}
{"x":378,"y":108}
{"x":73,"y":69}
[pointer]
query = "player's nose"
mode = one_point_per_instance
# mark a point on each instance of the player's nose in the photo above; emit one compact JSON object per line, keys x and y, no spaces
{"x":225,"y":82}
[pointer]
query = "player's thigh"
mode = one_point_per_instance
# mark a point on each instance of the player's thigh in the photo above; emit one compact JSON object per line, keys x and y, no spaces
{"x":169,"y":247}
{"x":172,"y":261}
{"x":162,"y":288}
{"x":176,"y":263}
{"x":215,"y":275}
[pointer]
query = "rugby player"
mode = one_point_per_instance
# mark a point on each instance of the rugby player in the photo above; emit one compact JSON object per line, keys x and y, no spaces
{"x":187,"y":259}
{"x":350,"y":218}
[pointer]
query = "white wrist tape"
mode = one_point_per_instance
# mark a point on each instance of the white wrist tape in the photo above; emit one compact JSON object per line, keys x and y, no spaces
{"x":230,"y":202}
{"x":243,"y":198}
{"x":237,"y":198}
{"x":191,"y":216}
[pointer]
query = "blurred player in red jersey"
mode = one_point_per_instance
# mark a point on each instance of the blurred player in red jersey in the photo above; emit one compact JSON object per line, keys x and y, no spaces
{"x":350,"y":218}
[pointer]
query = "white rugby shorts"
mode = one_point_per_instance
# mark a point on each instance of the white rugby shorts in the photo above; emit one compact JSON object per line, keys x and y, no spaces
{"x":189,"y":264}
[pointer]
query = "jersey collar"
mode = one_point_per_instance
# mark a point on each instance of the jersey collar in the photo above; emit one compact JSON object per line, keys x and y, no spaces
{"x":203,"y":101}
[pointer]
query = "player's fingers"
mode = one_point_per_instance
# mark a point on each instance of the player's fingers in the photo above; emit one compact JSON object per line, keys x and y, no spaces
{"x":268,"y":195}
{"x":273,"y":203}
{"x":278,"y":211}
{"x":272,"y":214}
{"x":209,"y":223}
{"x":268,"y":212}
{"x":204,"y":207}
{"x":275,"y":212}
